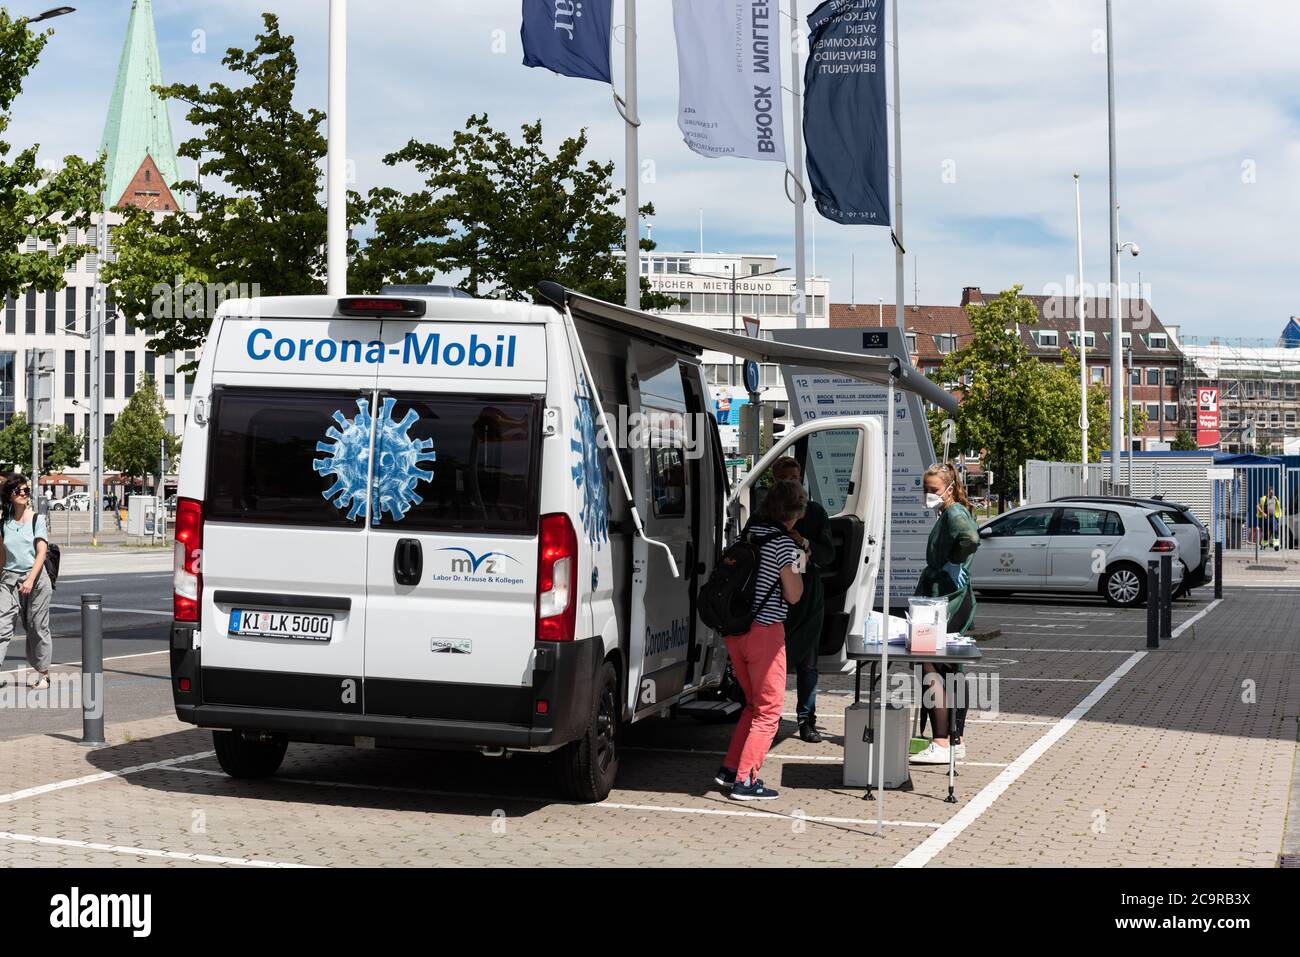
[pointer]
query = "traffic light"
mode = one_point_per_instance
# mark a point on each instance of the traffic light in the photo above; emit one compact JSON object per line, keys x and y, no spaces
{"x":47,"y":458}
{"x":772,"y":428}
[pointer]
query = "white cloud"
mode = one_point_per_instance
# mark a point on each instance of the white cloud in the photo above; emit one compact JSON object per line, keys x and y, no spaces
{"x":1013,"y":92}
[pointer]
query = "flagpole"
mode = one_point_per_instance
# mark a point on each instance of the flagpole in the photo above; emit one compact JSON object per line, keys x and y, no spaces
{"x":337,"y":152}
{"x":632,"y":117}
{"x":1083,"y":334}
{"x":899,"y":248}
{"x":796,"y":88}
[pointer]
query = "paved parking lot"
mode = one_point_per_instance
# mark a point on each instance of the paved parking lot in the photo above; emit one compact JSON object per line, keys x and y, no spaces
{"x":1100,"y":753}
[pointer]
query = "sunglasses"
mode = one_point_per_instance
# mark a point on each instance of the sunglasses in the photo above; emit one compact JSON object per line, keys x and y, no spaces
{"x":22,"y":491}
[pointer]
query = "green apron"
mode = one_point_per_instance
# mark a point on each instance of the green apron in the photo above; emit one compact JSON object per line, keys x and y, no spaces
{"x":953,"y":540}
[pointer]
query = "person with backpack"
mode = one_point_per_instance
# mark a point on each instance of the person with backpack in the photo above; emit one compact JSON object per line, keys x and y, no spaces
{"x":758,"y":653}
{"x":24,"y":591}
{"x":803,"y":626}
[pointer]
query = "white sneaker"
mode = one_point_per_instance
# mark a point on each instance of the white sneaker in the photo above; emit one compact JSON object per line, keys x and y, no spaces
{"x":960,"y":751}
{"x":933,"y":754}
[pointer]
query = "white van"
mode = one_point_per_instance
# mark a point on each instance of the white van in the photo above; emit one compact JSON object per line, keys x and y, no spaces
{"x":396,"y":526}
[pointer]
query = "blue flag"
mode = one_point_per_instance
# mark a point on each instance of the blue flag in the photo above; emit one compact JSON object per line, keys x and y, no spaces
{"x":569,"y":37}
{"x":845,"y":119}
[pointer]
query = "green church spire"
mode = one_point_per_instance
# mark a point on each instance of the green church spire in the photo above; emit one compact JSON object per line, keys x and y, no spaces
{"x":137,"y":124}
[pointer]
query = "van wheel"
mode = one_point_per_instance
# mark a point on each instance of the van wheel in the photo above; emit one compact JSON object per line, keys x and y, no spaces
{"x":1125,"y":586}
{"x":587,"y":767}
{"x":243,"y":757}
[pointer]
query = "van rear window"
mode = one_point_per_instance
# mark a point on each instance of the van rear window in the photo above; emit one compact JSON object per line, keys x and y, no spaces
{"x":486,"y":453}
{"x":441,"y":462}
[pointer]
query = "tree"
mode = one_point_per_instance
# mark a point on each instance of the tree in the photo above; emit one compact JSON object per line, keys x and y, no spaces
{"x":1184,"y":441}
{"x":260,"y":226}
{"x":132,"y":446}
{"x":1002,"y":400}
{"x":61,"y":447}
{"x":508,"y":214}
{"x":35,"y":202}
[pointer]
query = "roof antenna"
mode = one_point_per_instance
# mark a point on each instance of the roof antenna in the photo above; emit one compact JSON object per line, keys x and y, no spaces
{"x":853,"y":281}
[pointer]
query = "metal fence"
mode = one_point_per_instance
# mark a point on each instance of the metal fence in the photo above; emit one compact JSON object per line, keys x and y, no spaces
{"x":1045,"y":481}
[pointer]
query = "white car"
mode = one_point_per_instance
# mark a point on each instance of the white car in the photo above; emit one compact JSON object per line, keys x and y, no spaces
{"x":1074,"y":548}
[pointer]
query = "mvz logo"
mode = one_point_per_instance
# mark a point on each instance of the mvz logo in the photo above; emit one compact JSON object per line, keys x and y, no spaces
{"x":488,"y":563}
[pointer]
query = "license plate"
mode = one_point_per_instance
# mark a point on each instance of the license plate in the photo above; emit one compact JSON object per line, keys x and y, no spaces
{"x":255,"y":623}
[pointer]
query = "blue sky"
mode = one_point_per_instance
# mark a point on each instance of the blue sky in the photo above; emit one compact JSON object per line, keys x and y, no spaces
{"x":1011,"y":94}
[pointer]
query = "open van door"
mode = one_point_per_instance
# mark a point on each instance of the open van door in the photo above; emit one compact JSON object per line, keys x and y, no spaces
{"x":843,"y":464}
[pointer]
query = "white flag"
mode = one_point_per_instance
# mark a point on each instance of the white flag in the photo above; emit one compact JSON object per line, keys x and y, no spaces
{"x":729,"y":66}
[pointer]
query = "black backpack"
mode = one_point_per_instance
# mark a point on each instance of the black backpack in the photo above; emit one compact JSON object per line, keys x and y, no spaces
{"x":726,"y":601}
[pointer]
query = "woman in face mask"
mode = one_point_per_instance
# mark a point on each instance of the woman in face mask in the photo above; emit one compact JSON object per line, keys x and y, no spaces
{"x":948,"y":553}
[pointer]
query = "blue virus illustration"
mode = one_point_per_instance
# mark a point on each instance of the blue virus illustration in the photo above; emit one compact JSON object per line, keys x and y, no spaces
{"x":589,"y":472}
{"x":399,"y":461}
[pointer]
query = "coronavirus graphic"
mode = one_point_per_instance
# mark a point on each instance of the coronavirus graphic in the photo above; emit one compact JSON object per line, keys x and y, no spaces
{"x":399,"y":461}
{"x":589,"y":472}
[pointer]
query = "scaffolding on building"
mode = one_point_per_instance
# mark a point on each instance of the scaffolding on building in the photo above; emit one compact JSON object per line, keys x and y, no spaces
{"x":1259,"y":386}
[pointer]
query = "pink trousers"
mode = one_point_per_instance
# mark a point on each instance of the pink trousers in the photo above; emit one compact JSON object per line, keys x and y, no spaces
{"x":758,"y":659}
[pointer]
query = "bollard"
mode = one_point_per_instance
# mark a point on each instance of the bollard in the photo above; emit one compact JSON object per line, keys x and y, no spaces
{"x":1166,"y":596}
{"x":92,"y":671}
{"x":1218,"y":570}
{"x":1153,"y":604}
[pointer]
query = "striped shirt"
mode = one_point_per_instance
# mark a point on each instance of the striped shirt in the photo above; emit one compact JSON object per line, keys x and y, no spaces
{"x":772,"y":557}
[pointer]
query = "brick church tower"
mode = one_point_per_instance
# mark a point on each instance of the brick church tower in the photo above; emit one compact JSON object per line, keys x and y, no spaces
{"x":142,"y":167}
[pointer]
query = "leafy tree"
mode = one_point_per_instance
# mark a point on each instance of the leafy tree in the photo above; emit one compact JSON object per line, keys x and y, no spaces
{"x":34,"y":201}
{"x":260,"y":223}
{"x":1184,"y":441}
{"x":508,"y":214}
{"x":132,"y":446}
{"x":63,"y":444}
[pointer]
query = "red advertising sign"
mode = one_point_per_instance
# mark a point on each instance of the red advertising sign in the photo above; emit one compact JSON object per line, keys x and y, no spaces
{"x":1207,"y":418}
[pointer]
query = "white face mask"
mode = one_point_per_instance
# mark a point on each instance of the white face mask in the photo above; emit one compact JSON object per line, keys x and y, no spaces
{"x":934,"y":500}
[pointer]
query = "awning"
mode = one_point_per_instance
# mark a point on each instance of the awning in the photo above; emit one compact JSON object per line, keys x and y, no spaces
{"x":869,"y":368}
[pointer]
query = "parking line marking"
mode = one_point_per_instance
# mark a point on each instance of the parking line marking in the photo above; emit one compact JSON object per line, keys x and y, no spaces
{"x":143,"y":851}
{"x":1073,"y":651}
{"x":1087,"y":681}
{"x":101,"y":776}
{"x":1195,"y":618}
{"x":924,"y":853}
{"x":773,"y":756}
{"x":526,"y":799}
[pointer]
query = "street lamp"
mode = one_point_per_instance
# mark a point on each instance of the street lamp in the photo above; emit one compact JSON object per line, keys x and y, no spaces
{"x":1116,"y":328}
{"x":733,"y":279}
{"x":49,"y":14}
{"x":1132,"y":248}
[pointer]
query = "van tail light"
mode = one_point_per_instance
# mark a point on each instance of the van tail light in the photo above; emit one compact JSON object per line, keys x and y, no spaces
{"x":557,"y":579}
{"x":187,"y":580}
{"x":1164,"y":545}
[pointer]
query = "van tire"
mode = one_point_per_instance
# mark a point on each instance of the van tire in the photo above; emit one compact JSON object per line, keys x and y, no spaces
{"x":586,"y":768}
{"x":242,"y":757}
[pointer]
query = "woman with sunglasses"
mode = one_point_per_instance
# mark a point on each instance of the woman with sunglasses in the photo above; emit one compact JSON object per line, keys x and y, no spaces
{"x":24,"y":591}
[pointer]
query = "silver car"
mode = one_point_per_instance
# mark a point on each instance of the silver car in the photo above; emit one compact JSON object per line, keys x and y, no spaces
{"x":1083,"y":549}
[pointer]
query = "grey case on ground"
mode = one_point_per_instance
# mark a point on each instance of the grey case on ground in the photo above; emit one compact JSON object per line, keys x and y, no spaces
{"x":860,"y":760}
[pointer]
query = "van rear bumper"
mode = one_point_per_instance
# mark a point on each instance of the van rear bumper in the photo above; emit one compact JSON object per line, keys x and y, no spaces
{"x":415,"y":714}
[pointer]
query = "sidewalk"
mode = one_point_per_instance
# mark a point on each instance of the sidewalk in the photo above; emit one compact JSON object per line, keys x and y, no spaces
{"x":1102,"y":753}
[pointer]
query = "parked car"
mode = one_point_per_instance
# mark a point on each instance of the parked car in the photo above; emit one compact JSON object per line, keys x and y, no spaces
{"x":76,"y":502}
{"x":1100,"y":548}
{"x":1193,"y":537}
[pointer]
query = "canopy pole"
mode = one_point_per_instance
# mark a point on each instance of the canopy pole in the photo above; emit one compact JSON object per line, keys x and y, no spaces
{"x":884,"y":603}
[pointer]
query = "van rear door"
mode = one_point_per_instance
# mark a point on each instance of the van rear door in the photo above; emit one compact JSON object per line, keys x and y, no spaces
{"x":284,"y":538}
{"x":843,"y":464}
{"x":452,"y":548}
